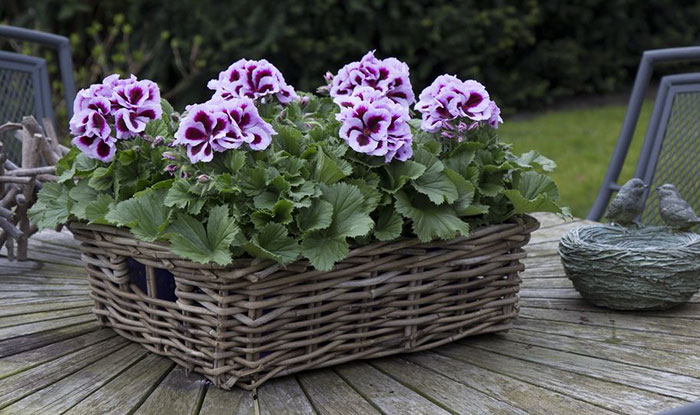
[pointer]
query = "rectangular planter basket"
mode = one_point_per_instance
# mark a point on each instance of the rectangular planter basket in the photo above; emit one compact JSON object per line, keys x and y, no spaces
{"x":254,"y":320}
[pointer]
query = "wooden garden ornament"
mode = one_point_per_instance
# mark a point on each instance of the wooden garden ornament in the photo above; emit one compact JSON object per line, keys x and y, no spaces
{"x":18,"y":184}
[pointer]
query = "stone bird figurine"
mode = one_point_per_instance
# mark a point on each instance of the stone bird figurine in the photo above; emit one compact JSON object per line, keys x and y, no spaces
{"x":675,"y":211}
{"x":628,"y":204}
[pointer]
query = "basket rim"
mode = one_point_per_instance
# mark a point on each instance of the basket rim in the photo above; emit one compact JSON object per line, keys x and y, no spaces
{"x":524,"y":223}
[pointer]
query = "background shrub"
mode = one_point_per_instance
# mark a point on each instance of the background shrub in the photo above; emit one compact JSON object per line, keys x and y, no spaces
{"x":527,"y":52}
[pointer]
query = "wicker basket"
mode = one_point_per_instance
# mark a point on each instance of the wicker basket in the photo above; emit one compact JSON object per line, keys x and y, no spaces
{"x":248,"y":322}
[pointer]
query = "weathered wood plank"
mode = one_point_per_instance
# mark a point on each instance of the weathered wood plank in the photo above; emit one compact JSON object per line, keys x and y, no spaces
{"x":621,"y":336}
{"x":656,"y":381}
{"x":42,"y":287}
{"x":34,"y":357}
{"x":546,"y":283}
{"x":16,"y":387}
{"x":69,"y":391}
{"x":41,"y":294}
{"x":16,"y":320}
{"x":330,"y":395}
{"x":455,"y":396}
{"x":31,"y":328}
{"x":233,"y":402}
{"x":284,"y":396}
{"x":678,"y":363}
{"x":677,"y":326}
{"x":176,"y":394}
{"x":27,"y":342}
{"x":611,"y":396}
{"x":43,"y":306}
{"x":124,"y":393}
{"x":688,"y":310}
{"x":385,"y":393}
{"x":530,"y":398}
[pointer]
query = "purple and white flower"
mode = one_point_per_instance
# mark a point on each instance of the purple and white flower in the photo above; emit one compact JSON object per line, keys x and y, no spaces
{"x":448,"y":102}
{"x":136,"y":103}
{"x":96,"y":147}
{"x":374,"y":124}
{"x":219,"y":125}
{"x":125,"y":104}
{"x":388,"y":76}
{"x":254,"y":79}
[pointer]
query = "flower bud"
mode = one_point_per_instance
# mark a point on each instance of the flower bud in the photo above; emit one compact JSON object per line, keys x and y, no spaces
{"x":168,"y":155}
{"x":202,"y":178}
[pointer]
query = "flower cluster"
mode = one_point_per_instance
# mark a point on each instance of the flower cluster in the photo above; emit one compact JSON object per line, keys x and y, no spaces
{"x":374,"y":96}
{"x":252,"y":79}
{"x":126,"y":104}
{"x":219,"y":125}
{"x":388,"y":76}
{"x":456,"y":106}
{"x":374,"y":124}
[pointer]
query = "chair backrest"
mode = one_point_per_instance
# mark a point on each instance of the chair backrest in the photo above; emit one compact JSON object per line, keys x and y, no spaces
{"x":671,"y":150}
{"x":24,"y":90}
{"x":672,"y":120}
{"x":62,"y":47}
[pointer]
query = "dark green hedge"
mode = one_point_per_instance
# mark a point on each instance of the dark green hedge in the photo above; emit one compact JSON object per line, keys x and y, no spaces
{"x":526,"y":52}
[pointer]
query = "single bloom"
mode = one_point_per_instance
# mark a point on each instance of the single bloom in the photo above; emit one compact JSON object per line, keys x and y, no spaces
{"x":219,"y":125}
{"x":135,"y":104}
{"x":254,"y":79}
{"x":374,"y":124}
{"x":96,"y":147}
{"x":388,"y":76}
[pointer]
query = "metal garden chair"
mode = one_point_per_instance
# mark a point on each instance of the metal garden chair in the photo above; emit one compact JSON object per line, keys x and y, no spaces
{"x":671,"y":148}
{"x":24,"y":90}
{"x":24,"y":82}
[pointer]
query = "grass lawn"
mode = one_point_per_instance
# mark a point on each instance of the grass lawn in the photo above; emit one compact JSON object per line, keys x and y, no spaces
{"x":581,"y":141}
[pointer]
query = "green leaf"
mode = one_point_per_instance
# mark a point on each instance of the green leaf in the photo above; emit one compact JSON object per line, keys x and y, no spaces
{"x":179,"y":195}
{"x":265,"y":200}
{"x":190,"y":240}
{"x":437,"y":186}
{"x":430,"y":221}
{"x":96,"y":210}
{"x":146,"y":216}
{"x":318,"y":216}
{"x":389,"y":225}
{"x":399,"y":173}
{"x":126,"y":157}
{"x":280,"y":212}
{"x":532,"y":184}
{"x":102,"y":178}
{"x":531,"y":158}
{"x":324,"y":251}
{"x":433,"y":183}
{"x":167,"y":108}
{"x":462,"y":156}
{"x":329,"y":171}
{"x":234,"y":161}
{"x":533,"y":192}
{"x":157,"y":128}
{"x":52,"y":206}
{"x":350,"y":217}
{"x":465,"y":191}
{"x":65,"y":167}
{"x":288,"y":139}
{"x":82,"y":194}
{"x":272,"y":242}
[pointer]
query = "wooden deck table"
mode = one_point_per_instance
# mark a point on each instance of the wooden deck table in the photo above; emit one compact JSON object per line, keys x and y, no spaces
{"x":563,"y":357}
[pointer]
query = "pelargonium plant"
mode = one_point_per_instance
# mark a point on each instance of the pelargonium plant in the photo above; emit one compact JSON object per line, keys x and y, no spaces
{"x":261,"y":170}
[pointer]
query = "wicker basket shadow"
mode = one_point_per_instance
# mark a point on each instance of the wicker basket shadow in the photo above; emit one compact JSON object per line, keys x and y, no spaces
{"x":253,"y":320}
{"x":649,"y":268}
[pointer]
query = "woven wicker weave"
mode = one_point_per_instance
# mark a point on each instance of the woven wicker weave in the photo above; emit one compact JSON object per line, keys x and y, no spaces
{"x":248,"y":322}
